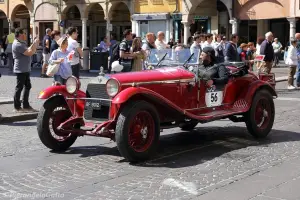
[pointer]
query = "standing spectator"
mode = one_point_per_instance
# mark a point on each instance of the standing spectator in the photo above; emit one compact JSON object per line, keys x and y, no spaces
{"x":251,"y":54}
{"x":160,"y":43}
{"x":292,"y":61}
{"x":150,"y":43}
{"x":219,"y":48}
{"x":149,"y":46}
{"x":196,"y":47}
{"x":46,"y":51}
{"x":190,"y":42}
{"x":55,"y":36}
{"x":22,"y":67}
{"x":60,"y":56}
{"x":297,"y":36}
{"x":243,"y":53}
{"x":74,"y":46}
{"x":171,"y":43}
{"x":231,"y":53}
{"x":209,"y":41}
{"x":9,"y":41}
{"x":138,"y":62}
{"x":125,"y":55}
{"x":277,"y":46}
{"x":104,"y":45}
{"x":266,"y":49}
{"x":258,"y":43}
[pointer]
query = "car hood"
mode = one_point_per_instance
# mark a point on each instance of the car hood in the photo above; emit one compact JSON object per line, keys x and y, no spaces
{"x":161,"y":74}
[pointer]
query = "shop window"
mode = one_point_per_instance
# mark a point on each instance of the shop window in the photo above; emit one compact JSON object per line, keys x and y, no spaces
{"x":157,"y":2}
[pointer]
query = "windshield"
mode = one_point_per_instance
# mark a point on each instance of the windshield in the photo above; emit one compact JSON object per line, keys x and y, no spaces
{"x":174,"y":57}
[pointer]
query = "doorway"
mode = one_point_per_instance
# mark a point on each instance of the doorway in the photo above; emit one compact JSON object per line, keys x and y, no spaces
{"x":42,"y":29}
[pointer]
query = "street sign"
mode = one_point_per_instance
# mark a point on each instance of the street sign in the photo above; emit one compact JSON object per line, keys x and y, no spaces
{"x":109,"y":27}
{"x":62,"y":23}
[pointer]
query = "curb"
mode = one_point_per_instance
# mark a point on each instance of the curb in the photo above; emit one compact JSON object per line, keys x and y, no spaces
{"x":17,"y":118}
{"x":282,"y":78}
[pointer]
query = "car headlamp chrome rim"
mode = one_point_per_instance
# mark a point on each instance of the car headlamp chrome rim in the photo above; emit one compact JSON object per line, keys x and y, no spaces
{"x":72,"y":84}
{"x":112,"y":87}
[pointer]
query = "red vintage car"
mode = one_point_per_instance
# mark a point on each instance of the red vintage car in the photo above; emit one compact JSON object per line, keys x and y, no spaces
{"x":133,"y":108}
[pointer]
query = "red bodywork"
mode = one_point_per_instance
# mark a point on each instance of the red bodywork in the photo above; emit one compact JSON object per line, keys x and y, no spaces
{"x":174,"y":91}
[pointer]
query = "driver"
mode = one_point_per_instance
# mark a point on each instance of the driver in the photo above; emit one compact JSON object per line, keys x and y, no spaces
{"x":215,"y":74}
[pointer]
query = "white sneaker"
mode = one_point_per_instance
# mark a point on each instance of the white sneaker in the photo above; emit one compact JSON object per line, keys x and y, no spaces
{"x":290,"y":87}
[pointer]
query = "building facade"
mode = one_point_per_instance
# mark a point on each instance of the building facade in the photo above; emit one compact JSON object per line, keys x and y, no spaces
{"x":256,"y":17}
{"x":15,"y":13}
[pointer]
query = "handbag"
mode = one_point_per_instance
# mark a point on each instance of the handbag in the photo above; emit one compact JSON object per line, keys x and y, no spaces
{"x":53,"y":68}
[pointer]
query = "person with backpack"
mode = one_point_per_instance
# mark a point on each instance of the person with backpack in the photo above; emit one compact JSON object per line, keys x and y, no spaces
{"x":126,"y":56}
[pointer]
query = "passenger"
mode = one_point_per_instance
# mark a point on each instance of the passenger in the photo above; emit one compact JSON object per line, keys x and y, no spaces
{"x":214,"y":74}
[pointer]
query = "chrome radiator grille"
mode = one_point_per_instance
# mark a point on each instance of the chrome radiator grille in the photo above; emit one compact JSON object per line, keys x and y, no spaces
{"x":97,"y":91}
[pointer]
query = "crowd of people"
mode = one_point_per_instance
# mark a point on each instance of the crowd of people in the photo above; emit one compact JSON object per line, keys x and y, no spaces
{"x":131,"y":53}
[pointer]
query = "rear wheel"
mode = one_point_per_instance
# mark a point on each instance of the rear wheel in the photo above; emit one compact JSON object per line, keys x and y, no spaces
{"x":137,"y":131}
{"x":260,"y":117}
{"x":51,"y":115}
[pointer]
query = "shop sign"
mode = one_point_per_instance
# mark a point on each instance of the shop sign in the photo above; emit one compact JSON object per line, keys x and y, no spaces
{"x":201,"y":17}
{"x":140,"y":17}
{"x":62,"y":23}
{"x":177,"y":17}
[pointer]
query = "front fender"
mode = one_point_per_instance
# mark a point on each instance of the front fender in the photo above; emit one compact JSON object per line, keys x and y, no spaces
{"x":53,"y":91}
{"x":126,"y":94}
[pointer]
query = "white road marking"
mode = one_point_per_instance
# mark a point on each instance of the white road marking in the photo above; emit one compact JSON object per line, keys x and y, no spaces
{"x":287,"y":99}
{"x":186,"y":186}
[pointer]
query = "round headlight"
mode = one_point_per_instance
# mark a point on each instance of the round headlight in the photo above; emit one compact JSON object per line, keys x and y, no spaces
{"x":72,"y":85}
{"x":112,"y":87}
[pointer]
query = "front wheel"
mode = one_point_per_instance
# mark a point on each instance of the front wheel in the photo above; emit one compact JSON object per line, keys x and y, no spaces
{"x":260,"y":117}
{"x":137,"y":131}
{"x":51,"y":115}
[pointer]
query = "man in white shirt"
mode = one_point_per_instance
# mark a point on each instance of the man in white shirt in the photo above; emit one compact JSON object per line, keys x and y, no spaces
{"x":209,"y":41}
{"x":160,"y":43}
{"x":74,"y":46}
{"x":196,"y":46}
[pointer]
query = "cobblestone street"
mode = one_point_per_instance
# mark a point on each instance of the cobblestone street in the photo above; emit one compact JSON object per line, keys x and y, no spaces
{"x":217,"y":161}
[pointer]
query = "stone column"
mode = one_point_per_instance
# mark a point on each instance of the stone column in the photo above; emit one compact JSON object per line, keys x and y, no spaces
{"x":234,"y":24}
{"x":167,"y":31}
{"x":108,"y":28}
{"x":84,"y":32}
{"x":133,"y":26}
{"x":86,"y":52}
{"x":292,"y":26}
{"x":186,"y":32}
{"x":171,"y":29}
{"x":10,"y":25}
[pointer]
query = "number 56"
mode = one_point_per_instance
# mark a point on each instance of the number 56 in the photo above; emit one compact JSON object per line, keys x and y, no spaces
{"x":214,"y":97}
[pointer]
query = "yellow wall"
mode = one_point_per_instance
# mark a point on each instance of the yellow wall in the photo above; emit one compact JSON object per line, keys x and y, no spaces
{"x":9,"y":6}
{"x":161,"y":6}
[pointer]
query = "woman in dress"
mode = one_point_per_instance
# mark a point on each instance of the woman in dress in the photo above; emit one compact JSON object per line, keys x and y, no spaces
{"x":62,"y":57}
{"x":138,"y":61}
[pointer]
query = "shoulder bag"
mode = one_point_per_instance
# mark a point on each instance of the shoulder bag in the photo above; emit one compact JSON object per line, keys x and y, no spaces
{"x":53,"y":67}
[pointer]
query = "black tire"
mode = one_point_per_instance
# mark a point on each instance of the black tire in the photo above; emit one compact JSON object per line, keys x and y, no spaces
{"x":188,"y":125}
{"x":129,"y":114}
{"x":43,"y":120}
{"x":261,"y":130}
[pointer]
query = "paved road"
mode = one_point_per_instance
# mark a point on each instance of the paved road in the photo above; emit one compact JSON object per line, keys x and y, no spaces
{"x":217,"y":161}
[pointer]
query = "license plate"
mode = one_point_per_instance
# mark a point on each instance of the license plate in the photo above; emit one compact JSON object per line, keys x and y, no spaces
{"x":93,"y":104}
